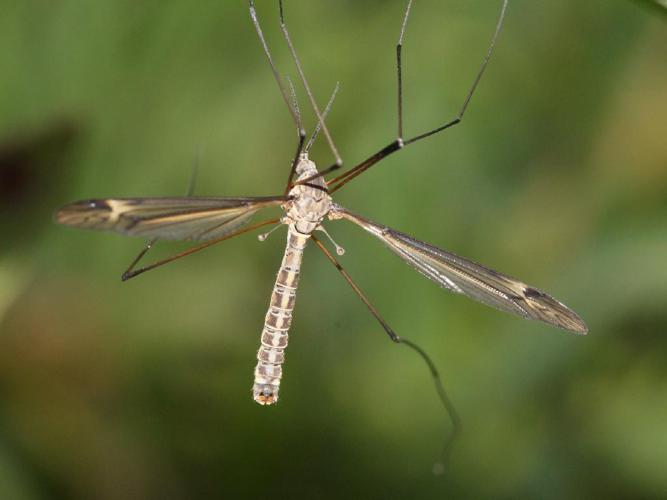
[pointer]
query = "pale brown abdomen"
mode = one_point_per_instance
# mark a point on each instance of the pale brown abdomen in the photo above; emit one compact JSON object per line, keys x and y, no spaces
{"x":271,"y":354}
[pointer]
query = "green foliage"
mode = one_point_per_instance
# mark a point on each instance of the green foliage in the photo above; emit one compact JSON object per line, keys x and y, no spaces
{"x":658,"y":5}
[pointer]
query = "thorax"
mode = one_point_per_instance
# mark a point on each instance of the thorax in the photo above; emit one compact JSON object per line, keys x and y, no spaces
{"x":308,"y":205}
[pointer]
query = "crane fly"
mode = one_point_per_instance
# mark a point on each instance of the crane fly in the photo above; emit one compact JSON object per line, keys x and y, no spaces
{"x":306,"y":203}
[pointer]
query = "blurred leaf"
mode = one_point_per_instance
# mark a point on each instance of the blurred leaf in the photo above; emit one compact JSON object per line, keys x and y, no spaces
{"x":656,"y":5}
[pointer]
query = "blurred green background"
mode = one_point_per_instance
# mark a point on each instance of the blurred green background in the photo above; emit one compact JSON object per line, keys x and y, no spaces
{"x":558,"y":175}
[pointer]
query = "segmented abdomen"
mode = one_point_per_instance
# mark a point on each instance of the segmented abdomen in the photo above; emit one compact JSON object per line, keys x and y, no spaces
{"x":271,"y":354}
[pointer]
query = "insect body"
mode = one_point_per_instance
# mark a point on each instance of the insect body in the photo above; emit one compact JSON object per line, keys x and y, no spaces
{"x":305,"y":211}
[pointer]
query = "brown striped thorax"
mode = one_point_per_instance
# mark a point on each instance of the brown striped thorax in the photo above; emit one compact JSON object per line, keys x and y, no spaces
{"x":308,"y":206}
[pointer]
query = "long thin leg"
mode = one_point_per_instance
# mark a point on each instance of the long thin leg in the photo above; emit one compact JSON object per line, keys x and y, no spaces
{"x":283,"y":92}
{"x":302,"y":137}
{"x":310,"y":143}
{"x":399,"y":143}
{"x":300,"y":149}
{"x":399,"y":70}
{"x":295,"y":161}
{"x":293,"y":110}
{"x":482,"y":68}
{"x":131,"y":274}
{"x":324,"y":116}
{"x":139,"y":256}
{"x":295,"y":105}
{"x":440,"y":389}
{"x":283,"y":26}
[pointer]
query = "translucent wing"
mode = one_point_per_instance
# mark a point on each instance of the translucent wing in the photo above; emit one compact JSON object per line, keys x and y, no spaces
{"x":474,"y":280}
{"x":191,"y":218}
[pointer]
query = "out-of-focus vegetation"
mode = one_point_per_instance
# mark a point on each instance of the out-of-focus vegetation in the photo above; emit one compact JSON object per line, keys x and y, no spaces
{"x":658,"y":5}
{"x":558,"y":175}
